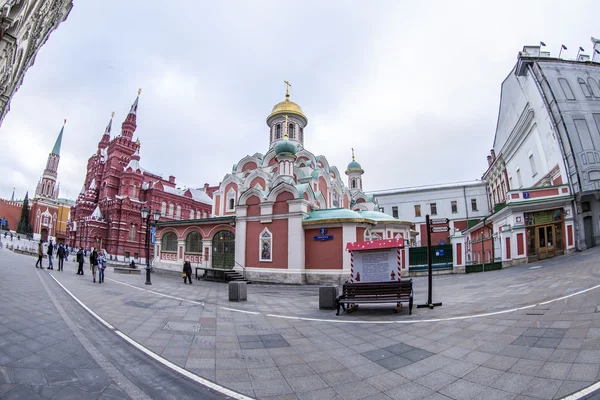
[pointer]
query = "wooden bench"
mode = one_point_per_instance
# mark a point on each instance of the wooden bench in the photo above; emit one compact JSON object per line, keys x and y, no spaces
{"x":377,"y":292}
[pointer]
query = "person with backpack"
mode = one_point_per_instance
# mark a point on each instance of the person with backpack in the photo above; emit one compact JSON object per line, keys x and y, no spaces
{"x":80,"y":259}
{"x":102,"y":264}
{"x":94,"y":262}
{"x":40,"y":254}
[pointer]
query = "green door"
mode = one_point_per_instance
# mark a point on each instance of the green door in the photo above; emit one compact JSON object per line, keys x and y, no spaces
{"x":223,"y":250}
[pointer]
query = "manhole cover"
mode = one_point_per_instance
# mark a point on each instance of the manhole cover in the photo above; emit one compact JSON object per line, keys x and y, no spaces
{"x":140,"y":304}
{"x":182,"y":327}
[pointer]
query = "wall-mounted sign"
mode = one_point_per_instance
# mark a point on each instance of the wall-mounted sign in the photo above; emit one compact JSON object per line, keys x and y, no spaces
{"x":439,"y":253}
{"x":323,"y":236}
{"x":526,"y":195}
{"x":438,"y":221}
{"x":438,"y":229}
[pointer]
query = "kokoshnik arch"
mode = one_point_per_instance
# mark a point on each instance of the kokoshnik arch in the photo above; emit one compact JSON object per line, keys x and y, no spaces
{"x":284,"y":216}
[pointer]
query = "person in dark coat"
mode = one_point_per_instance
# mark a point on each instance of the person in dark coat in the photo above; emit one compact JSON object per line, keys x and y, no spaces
{"x":61,"y":253}
{"x":50,"y":253}
{"x":94,"y":263}
{"x":187,"y":272}
{"x":80,"y":261}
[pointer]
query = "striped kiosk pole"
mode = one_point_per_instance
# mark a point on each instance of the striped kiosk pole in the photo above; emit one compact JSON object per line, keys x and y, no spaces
{"x":351,"y":266}
{"x":399,"y":262}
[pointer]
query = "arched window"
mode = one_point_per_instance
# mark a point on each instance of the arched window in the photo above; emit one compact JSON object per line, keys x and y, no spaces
{"x":171,"y":209}
{"x":231,"y":204}
{"x":193,"y":243}
{"x":132,"y":231}
{"x":231,"y":200}
{"x":301,"y":134}
{"x":198,"y":215}
{"x":178,"y":215}
{"x":566,"y":88}
{"x":594,"y":86}
{"x":163,"y":209}
{"x":584,"y":88}
{"x":265,"y":248}
{"x":353,"y":183}
{"x":204,"y":214}
{"x":278,"y":131}
{"x":191,"y":214}
{"x":169,"y":242}
{"x":291,"y":131}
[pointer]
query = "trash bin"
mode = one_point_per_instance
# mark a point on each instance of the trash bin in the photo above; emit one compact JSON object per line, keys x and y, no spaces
{"x":237,"y":291}
{"x":327,"y":296}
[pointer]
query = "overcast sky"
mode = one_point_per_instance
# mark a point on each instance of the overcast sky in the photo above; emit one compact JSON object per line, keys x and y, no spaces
{"x":413,"y":86}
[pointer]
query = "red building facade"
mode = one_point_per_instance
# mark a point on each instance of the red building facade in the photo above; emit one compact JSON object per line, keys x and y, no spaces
{"x":107,"y":212}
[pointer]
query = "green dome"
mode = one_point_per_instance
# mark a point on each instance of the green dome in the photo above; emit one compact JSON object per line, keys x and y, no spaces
{"x":286,"y":147}
{"x":354,"y":165}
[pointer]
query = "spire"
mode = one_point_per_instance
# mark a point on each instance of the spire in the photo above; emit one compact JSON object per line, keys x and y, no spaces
{"x":56,"y":149}
{"x":129,"y":125}
{"x":12,"y":198}
{"x":134,"y":106}
{"x":109,"y":126}
{"x":106,"y":137}
{"x":352,"y":153}
{"x":287,"y":89}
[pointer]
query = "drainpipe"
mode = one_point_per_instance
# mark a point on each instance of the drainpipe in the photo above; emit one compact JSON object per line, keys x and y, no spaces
{"x":466,"y":205}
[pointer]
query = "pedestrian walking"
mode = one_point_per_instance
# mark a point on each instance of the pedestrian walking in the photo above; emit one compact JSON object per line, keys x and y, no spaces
{"x":94,"y":262}
{"x":187,"y":272}
{"x":80,"y":259}
{"x":11,"y":237}
{"x":50,"y":252}
{"x":102,"y":262}
{"x":40,"y":255}
{"x":61,"y":253}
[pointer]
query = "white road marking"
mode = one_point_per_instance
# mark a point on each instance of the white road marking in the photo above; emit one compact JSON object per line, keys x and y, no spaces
{"x":242,"y":311}
{"x":583,"y":392}
{"x":165,"y":362}
{"x":157,"y":293}
{"x":539,"y":266}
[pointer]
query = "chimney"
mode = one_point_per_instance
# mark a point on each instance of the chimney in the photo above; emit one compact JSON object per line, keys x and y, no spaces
{"x":171,"y":179}
{"x":206,"y":185}
{"x":493,"y":153}
{"x":489,"y":158}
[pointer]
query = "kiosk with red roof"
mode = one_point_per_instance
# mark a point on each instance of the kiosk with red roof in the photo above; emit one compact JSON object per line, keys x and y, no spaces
{"x":376,"y":261}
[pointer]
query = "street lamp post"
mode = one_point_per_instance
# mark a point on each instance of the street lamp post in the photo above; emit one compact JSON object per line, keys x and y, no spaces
{"x":146,"y":213}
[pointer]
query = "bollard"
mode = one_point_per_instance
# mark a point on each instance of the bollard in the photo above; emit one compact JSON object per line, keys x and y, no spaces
{"x":237,"y":291}
{"x":327,"y":296}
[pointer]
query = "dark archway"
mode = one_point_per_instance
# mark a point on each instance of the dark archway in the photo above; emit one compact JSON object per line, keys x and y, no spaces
{"x":44,"y":234}
{"x":223,"y":255}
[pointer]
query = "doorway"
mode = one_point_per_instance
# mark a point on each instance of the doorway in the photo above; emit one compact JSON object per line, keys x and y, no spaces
{"x":545,"y":241}
{"x":588,"y":230}
{"x":223,"y":250}
{"x":44,"y":234}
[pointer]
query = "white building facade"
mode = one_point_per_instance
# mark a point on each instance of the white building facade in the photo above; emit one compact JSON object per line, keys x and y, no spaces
{"x":460,"y":202}
{"x":544,"y":169}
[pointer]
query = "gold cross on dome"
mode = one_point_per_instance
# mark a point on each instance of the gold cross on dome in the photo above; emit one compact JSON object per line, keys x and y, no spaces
{"x":139,"y":91}
{"x":352,"y":153}
{"x":287,"y":88}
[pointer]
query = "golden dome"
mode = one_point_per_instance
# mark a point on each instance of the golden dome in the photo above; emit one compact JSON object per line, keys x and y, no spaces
{"x":287,"y":107}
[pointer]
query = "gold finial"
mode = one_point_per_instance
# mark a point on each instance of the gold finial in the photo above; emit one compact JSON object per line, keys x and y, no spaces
{"x":285,"y":135}
{"x":112,"y":115}
{"x":139,"y":91}
{"x":352,"y":153}
{"x":287,"y":89}
{"x":65,"y":122}
{"x":138,"y":142}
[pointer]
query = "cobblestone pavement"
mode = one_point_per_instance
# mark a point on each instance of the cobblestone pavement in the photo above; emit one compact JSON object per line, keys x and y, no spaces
{"x":51,"y":348}
{"x":279,"y":345}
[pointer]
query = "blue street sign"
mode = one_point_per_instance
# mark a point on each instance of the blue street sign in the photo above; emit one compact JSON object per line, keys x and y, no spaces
{"x":439,"y":253}
{"x":526,"y":195}
{"x":323,"y":238}
{"x":323,"y":231}
{"x":153,"y":230}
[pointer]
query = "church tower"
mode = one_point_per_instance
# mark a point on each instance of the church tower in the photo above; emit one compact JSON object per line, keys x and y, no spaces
{"x":47,"y":186}
{"x":129,"y":125}
{"x":286,"y":153}
{"x":287,"y":116}
{"x":354,"y":172}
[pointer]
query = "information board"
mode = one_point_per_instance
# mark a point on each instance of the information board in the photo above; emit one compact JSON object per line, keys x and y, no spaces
{"x":375,"y":266}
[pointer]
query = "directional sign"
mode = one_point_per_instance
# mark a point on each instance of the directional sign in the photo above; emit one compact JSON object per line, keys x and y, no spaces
{"x":439,"y":221}
{"x":437,"y":229}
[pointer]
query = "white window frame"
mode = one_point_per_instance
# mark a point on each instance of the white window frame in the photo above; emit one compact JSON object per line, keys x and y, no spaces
{"x":230,"y":196}
{"x":519,"y":179}
{"x":532,"y":164}
{"x":395,"y":211}
{"x":474,"y":203}
{"x":454,"y":206}
{"x":431,"y":207}
{"x":260,"y":246}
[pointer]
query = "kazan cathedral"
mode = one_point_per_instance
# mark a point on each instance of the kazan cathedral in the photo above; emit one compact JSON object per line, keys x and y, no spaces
{"x":283,"y":216}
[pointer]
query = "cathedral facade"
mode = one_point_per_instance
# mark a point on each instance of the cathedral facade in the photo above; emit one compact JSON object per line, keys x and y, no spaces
{"x":107,"y":213}
{"x":283,"y":216}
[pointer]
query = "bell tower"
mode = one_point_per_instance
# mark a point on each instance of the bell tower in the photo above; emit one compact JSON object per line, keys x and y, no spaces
{"x":355,"y":173}
{"x":47,"y":185}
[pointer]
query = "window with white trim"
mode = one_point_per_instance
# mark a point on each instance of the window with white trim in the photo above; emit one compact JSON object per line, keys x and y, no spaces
{"x":433,"y":207}
{"x":520,"y":181}
{"x":178,"y":214}
{"x":169,"y":242}
{"x":191,"y":214}
{"x":231,"y":200}
{"x":163,"y":209}
{"x":132,"y":230}
{"x":532,"y":163}
{"x":265,"y":246}
{"x":454,"y":206}
{"x":171,"y":210}
{"x":395,"y":211}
